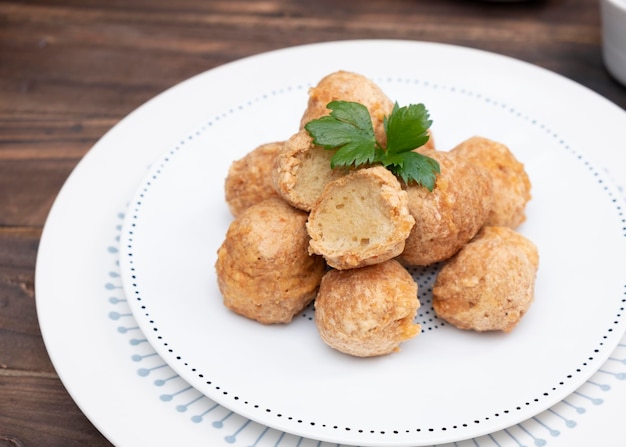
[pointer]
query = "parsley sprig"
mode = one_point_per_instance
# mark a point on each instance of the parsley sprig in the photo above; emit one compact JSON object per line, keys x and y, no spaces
{"x":349,"y":129}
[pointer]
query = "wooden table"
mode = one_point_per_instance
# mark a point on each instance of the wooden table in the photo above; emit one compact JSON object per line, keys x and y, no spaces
{"x":71,"y":69}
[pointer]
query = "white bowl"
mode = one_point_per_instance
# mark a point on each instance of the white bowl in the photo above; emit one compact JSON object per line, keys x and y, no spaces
{"x":614,"y":37}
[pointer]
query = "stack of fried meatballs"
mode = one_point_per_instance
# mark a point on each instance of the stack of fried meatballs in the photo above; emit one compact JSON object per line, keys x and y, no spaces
{"x":344,"y":238}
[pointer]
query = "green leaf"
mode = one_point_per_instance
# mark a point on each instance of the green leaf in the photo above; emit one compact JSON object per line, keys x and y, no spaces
{"x":348,"y":129}
{"x":413,"y":166}
{"x":407,"y":128}
{"x":352,"y":113}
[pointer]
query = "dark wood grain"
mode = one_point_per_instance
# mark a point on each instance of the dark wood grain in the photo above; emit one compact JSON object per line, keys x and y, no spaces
{"x":47,"y":416}
{"x":71,"y":69}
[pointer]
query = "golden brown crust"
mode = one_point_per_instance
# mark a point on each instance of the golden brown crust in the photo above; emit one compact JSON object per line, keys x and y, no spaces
{"x":368,"y":311}
{"x":511,"y":185}
{"x":348,"y":86}
{"x":249,"y":179}
{"x":263,"y":268}
{"x":489,"y":284}
{"x":302,"y":170}
{"x":360,"y":219}
{"x":450,"y":215}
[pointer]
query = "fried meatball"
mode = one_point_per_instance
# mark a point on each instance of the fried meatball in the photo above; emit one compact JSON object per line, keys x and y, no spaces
{"x":368,"y":311}
{"x":511,"y":185}
{"x":360,"y":219}
{"x":450,"y":215}
{"x":348,"y":86}
{"x":302,"y":170}
{"x":263,"y":267}
{"x":249,"y":179}
{"x":489,"y":284}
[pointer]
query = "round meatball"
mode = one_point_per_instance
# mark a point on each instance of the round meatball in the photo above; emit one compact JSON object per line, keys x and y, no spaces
{"x":360,"y":219}
{"x":353,"y":87}
{"x":249,"y":179}
{"x":511,"y":185}
{"x":489,"y":284}
{"x":447,"y":217}
{"x":263,"y":267}
{"x":368,"y":311}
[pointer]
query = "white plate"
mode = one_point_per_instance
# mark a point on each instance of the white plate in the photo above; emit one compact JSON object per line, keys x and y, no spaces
{"x":126,"y":389}
{"x":446,"y":385}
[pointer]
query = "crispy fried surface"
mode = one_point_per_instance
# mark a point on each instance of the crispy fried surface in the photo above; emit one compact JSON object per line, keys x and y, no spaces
{"x":348,"y":86}
{"x":360,"y":219}
{"x":489,"y":284}
{"x":449,"y":216}
{"x":511,"y":185}
{"x":249,"y":179}
{"x":367,"y":311}
{"x":295,"y":215}
{"x":263,"y":267}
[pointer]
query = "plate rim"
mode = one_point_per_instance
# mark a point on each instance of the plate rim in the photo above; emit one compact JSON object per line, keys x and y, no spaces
{"x":50,"y":226}
{"x":254,"y":415}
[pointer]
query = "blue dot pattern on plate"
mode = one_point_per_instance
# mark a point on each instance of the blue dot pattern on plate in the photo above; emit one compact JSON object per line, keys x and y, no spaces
{"x":237,"y":430}
{"x":180,"y":397}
